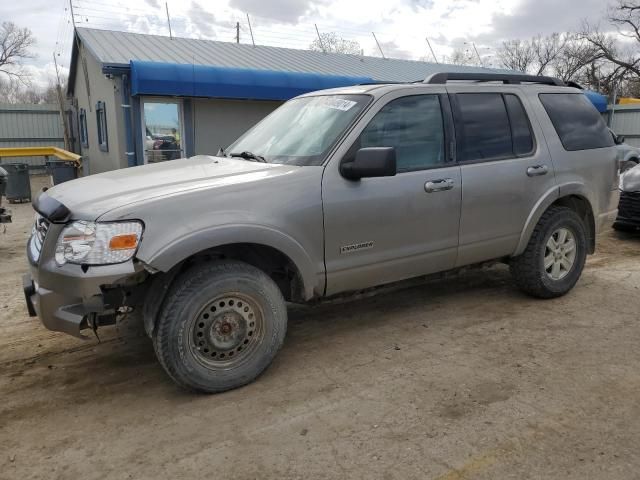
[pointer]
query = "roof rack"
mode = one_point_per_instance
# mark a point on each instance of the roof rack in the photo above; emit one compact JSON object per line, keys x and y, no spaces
{"x":507,"y":78}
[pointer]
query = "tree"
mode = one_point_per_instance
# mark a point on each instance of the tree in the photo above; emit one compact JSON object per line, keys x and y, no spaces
{"x":15,"y":44}
{"x":517,"y":55}
{"x":461,"y":56}
{"x":625,"y":17}
{"x":332,"y":42}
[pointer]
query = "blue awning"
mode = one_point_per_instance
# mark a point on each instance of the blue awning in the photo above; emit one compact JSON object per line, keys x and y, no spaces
{"x":598,"y":100}
{"x":153,"y":78}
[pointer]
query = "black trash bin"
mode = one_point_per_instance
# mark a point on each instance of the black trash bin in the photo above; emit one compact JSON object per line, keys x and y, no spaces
{"x":62,"y":171}
{"x":18,"y":183}
{"x":3,"y":182}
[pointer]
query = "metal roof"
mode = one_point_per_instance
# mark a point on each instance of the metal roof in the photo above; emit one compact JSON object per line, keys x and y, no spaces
{"x":119,"y":48}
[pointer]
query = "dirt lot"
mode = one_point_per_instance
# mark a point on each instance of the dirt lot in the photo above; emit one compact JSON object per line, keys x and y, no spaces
{"x":461,"y":379}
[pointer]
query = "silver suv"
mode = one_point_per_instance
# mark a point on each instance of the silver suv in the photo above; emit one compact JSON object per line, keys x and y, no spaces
{"x":336,"y":191}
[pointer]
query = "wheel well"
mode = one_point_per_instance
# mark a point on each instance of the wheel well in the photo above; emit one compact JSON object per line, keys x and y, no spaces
{"x":582,"y":207}
{"x":273,"y":262}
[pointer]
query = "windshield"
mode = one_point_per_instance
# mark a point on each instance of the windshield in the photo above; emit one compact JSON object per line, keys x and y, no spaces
{"x":301,"y":131}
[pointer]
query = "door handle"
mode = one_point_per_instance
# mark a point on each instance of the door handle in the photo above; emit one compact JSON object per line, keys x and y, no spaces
{"x":537,"y":170}
{"x":438,"y":185}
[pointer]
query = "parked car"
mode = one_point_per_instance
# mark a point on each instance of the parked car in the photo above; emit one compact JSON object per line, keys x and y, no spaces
{"x":628,"y":155}
{"x":335,"y":191}
{"x":629,"y":209}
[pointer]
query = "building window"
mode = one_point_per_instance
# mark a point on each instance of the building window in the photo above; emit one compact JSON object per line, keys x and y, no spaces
{"x":101,"y":116}
{"x":84,"y":135}
{"x":163,"y":127}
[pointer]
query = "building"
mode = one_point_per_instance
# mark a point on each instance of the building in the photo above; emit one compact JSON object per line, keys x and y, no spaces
{"x":148,"y":98}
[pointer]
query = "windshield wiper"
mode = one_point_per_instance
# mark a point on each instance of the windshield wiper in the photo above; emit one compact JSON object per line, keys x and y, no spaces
{"x":249,"y":156}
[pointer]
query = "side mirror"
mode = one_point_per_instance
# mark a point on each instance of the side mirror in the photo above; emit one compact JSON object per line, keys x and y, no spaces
{"x":371,"y":162}
{"x":619,"y":139}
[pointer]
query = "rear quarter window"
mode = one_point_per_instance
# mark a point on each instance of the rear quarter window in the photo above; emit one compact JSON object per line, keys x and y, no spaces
{"x":576,"y":120}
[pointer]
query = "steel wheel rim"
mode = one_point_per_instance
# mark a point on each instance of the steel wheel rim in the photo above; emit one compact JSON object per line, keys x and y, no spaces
{"x":560,"y":253}
{"x":226,"y":331}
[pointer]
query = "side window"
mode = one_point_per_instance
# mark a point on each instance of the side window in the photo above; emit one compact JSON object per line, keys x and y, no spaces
{"x":482,"y":127}
{"x":101,"y":117}
{"x":577,"y":122}
{"x":82,"y":121}
{"x":414,"y":126}
{"x":520,"y":126}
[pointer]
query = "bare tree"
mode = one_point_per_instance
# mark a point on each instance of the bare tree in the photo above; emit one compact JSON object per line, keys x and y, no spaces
{"x":332,"y":42}
{"x":517,"y":55}
{"x":625,"y":17}
{"x":461,"y":56}
{"x":15,"y":44}
{"x":15,"y":91}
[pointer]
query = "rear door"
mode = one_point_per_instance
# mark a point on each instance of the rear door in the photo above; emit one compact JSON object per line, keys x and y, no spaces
{"x":505,"y":168}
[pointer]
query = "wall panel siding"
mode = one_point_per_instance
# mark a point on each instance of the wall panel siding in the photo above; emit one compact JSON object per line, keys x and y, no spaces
{"x":218,"y":123}
{"x":27,"y":125}
{"x":625,"y":120}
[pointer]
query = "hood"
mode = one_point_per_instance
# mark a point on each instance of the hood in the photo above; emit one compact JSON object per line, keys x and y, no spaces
{"x":92,"y":196}
{"x":630,"y":180}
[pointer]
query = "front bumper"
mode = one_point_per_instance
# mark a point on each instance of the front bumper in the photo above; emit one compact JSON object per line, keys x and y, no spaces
{"x":629,"y":210}
{"x":65,"y":297}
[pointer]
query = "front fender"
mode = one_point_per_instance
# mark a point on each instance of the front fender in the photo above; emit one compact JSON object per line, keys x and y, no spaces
{"x":181,"y":248}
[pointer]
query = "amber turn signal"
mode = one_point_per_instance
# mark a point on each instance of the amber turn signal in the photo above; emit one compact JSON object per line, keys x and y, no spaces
{"x":123,"y":242}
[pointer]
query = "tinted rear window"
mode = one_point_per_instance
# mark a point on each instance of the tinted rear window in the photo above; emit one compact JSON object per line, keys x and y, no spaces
{"x":520,"y":127}
{"x":576,"y":120}
{"x":483,"y":127}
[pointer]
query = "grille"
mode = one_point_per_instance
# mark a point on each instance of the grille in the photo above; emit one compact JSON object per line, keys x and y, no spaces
{"x":629,"y":206}
{"x":40,"y":229}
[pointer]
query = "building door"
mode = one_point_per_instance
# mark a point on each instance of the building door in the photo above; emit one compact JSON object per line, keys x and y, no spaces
{"x":162,"y":130}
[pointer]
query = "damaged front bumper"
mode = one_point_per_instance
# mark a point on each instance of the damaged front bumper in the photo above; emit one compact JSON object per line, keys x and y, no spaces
{"x":70,"y":298}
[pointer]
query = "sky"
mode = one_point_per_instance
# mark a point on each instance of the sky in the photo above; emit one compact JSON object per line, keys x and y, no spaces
{"x":400,"y":26}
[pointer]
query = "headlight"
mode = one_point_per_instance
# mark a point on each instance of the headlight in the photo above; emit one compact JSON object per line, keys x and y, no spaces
{"x":95,"y":243}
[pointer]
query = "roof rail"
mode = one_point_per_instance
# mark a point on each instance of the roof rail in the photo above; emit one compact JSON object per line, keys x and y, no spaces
{"x":507,"y":78}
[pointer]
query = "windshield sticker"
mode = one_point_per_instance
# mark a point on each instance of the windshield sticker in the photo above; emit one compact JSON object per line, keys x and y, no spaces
{"x":338,"y":103}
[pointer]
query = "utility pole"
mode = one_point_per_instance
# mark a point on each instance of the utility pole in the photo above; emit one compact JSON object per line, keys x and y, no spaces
{"x":63,"y":118}
{"x":166,"y":6}
{"x":434,"y":55}
{"x":378,"y":43}
{"x":237,"y":32}
{"x":251,"y":30}
{"x":324,"y":50}
{"x":477,"y":54}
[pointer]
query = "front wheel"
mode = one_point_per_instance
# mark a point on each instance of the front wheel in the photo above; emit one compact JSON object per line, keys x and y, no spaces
{"x":221,"y":325}
{"x":554,"y":258}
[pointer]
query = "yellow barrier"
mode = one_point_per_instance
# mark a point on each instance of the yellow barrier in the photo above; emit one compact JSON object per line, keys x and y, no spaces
{"x":628,"y":101}
{"x":40,"y":152}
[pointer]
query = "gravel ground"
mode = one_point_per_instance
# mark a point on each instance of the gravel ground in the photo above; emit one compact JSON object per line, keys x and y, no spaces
{"x":458,"y":379}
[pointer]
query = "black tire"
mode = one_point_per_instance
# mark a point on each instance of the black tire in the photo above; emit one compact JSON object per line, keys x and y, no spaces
{"x":528,"y":269}
{"x":220,"y":326}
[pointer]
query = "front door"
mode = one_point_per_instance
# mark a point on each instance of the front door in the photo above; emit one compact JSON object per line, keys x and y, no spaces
{"x":380,"y":230}
{"x":505,"y":166}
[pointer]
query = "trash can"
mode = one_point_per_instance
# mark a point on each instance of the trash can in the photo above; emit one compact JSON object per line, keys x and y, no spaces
{"x":62,"y":171}
{"x":18,"y":184}
{"x":3,"y":182}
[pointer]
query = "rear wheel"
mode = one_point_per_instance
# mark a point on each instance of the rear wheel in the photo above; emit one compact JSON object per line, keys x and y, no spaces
{"x":221,"y":325}
{"x":554,"y":258}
